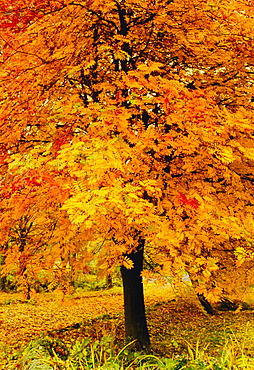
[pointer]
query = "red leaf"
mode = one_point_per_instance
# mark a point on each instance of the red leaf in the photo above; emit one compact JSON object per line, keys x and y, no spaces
{"x":191,"y":201}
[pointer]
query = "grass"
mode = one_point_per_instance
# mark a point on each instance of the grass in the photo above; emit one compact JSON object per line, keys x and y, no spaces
{"x":182,"y":335}
{"x":102,"y":355}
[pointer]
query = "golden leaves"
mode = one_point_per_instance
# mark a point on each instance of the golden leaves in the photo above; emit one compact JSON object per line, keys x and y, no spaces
{"x":131,"y":145}
{"x":150,"y":67}
{"x":214,"y":295}
{"x":127,"y":263}
{"x":225,"y":154}
{"x":243,"y":255}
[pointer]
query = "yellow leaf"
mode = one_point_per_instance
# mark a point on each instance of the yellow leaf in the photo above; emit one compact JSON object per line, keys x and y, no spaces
{"x":226,"y":155}
{"x":127,"y":263}
{"x":88,"y":224}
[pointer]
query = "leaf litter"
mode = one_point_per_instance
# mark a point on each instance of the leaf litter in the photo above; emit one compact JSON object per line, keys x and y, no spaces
{"x":175,"y":323}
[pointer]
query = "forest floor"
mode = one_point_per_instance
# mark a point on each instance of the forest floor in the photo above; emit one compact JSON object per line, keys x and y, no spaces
{"x":22,"y":320}
{"x":175,"y":323}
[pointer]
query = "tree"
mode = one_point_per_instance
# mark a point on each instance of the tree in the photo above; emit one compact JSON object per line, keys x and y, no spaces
{"x":35,"y":234}
{"x":142,"y":112}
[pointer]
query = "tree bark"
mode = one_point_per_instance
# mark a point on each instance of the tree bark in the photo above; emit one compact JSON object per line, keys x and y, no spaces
{"x":207,"y":305}
{"x":204,"y":302}
{"x":134,"y":306}
{"x":109,"y":281}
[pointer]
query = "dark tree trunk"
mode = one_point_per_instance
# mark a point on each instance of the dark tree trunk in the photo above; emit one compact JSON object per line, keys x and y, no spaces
{"x":134,"y":306}
{"x":207,"y":305}
{"x":204,"y":302}
{"x":109,"y":281}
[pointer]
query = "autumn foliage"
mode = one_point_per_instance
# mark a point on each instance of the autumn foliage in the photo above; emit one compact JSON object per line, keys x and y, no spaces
{"x":127,"y":120}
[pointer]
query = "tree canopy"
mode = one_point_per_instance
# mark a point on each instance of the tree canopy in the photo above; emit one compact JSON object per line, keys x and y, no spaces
{"x":124,"y":121}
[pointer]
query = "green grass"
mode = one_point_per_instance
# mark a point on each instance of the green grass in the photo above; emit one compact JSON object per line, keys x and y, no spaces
{"x":47,"y":353}
{"x":71,"y":350}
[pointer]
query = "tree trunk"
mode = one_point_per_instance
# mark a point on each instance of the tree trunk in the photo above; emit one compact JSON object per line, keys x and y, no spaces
{"x":202,"y":299}
{"x":207,"y":305}
{"x":109,"y":281}
{"x":134,"y":306}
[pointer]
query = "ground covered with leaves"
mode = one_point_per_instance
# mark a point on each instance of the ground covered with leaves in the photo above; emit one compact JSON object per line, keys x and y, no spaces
{"x":178,"y":326}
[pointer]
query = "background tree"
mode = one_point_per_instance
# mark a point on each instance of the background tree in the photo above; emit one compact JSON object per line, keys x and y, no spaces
{"x":35,"y":234}
{"x":141,"y":111}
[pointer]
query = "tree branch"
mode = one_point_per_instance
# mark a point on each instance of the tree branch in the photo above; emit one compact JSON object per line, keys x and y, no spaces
{"x":96,"y":14}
